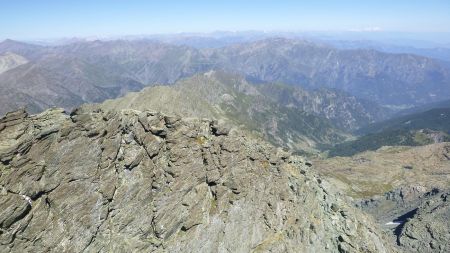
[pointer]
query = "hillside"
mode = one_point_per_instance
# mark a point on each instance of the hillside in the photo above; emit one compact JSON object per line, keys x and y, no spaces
{"x":345,"y":111}
{"x":60,"y":81}
{"x":411,"y":130}
{"x":182,"y":161}
{"x":9,"y":61}
{"x":27,"y":50}
{"x":404,"y":188}
{"x":231,"y":98}
{"x":86,"y":72}
{"x":436,"y":119}
{"x":424,"y":108}
{"x":373,"y":173}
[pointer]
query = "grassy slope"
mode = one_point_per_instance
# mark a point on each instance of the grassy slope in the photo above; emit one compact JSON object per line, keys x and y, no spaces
{"x":371,"y":173}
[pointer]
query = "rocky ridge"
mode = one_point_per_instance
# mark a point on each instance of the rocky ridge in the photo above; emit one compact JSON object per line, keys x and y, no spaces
{"x":231,"y":98}
{"x":417,"y":218}
{"x":122,"y":181}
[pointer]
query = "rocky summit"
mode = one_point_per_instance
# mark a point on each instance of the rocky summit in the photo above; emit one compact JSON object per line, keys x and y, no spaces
{"x":132,"y":181}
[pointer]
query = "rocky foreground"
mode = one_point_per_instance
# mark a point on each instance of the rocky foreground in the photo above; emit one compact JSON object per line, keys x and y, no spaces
{"x":405,"y":189}
{"x":130,"y":181}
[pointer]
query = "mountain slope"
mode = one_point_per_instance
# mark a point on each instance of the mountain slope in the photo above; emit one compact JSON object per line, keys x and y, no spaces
{"x":371,"y":173}
{"x":345,"y":111}
{"x":424,"y":108}
{"x":404,"y":188}
{"x":29,"y":51}
{"x":437,"y":52}
{"x":436,"y":119}
{"x":60,"y":81}
{"x":230,"y":97}
{"x":145,"y":182}
{"x":68,"y":76}
{"x":423,"y":231}
{"x":423,"y":128}
{"x":396,"y":137}
{"x":145,"y":61}
{"x":9,"y":61}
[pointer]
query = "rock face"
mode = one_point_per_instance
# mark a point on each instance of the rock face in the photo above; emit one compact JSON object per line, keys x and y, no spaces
{"x":428,"y":229}
{"x":404,"y":188}
{"x":130,"y":181}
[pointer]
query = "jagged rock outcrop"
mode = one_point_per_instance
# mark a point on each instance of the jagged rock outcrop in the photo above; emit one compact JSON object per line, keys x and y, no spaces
{"x":428,"y":229}
{"x":404,"y":188}
{"x":131,"y":181}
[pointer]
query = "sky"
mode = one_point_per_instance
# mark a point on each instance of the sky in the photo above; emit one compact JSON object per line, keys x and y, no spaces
{"x":39,"y":19}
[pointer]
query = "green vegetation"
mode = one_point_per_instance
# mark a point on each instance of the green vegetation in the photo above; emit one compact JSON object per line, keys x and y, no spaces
{"x":426,"y":107}
{"x":411,"y":130}
{"x":435,"y":119}
{"x":374,"y":142}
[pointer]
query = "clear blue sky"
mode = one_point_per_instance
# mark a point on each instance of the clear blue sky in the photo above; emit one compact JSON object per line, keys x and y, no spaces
{"x":21,"y":19}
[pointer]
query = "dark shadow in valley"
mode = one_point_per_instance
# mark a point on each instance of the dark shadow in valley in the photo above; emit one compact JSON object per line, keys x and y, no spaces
{"x":402,"y":220}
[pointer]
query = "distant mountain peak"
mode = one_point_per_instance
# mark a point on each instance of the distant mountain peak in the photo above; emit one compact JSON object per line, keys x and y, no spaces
{"x":10,"y":42}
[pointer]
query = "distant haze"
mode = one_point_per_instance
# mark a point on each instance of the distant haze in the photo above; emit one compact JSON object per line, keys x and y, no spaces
{"x":27,"y":20}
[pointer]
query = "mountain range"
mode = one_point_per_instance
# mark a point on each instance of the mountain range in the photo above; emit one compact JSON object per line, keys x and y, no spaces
{"x":98,"y":70}
{"x":164,"y":147}
{"x":435,"y":51}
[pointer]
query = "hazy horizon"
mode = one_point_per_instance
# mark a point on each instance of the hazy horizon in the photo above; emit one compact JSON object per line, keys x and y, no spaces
{"x":81,"y":19}
{"x":417,"y":40}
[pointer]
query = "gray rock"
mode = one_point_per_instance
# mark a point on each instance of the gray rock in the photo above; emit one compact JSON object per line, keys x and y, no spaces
{"x":428,"y":229}
{"x":219,"y":128}
{"x":130,"y":189}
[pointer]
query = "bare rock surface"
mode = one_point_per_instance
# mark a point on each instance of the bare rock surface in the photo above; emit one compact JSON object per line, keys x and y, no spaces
{"x":404,"y":188}
{"x":132,"y":181}
{"x":428,"y":229}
